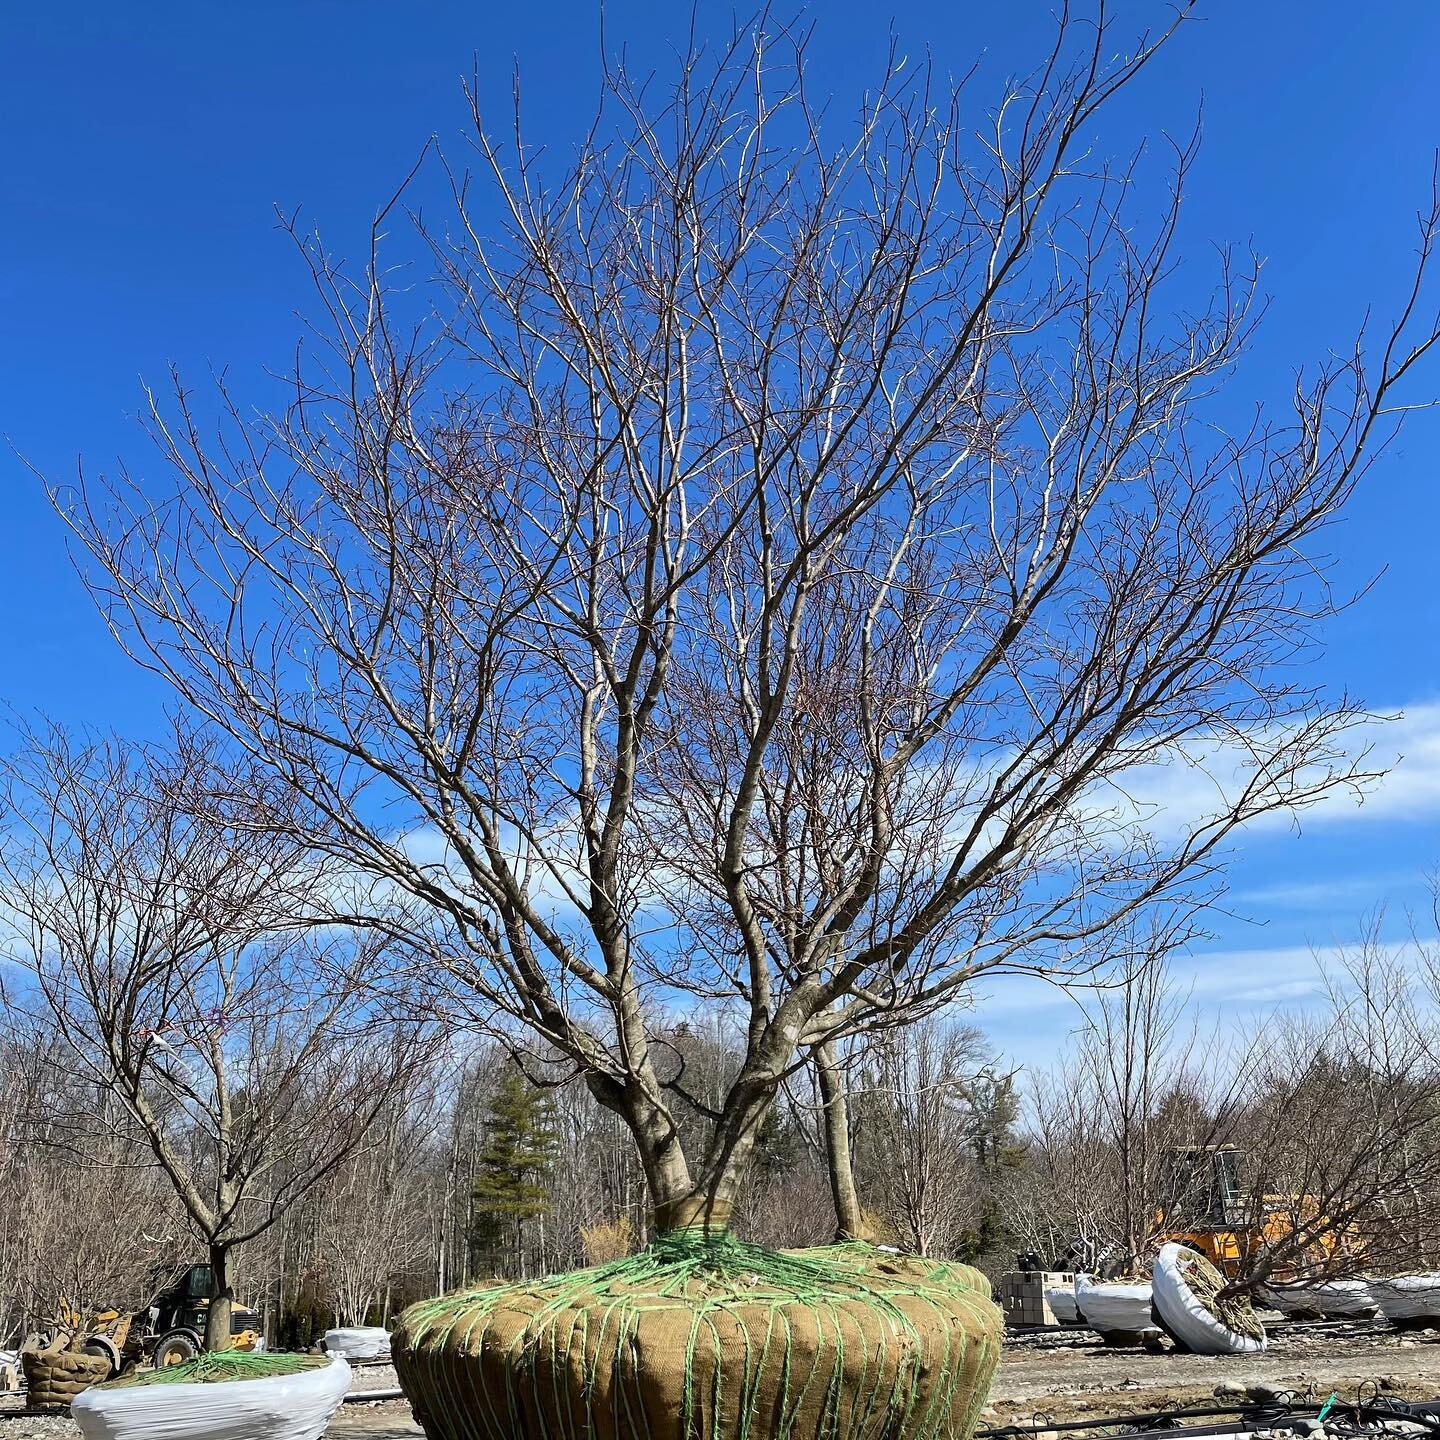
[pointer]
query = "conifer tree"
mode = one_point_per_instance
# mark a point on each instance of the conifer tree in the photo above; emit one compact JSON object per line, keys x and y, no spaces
{"x":509,"y":1190}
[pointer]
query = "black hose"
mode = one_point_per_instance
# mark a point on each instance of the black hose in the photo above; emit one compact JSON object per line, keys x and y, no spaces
{"x":1248,"y":1416}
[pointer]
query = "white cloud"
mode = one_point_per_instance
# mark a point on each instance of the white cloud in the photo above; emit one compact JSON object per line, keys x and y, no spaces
{"x":1172,"y":797}
{"x":1408,"y":750}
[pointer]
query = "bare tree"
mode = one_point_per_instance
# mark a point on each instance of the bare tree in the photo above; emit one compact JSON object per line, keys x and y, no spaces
{"x":918,"y":1087}
{"x":765,"y":576}
{"x":1124,"y":1122}
{"x":1345,"y":1117}
{"x":84,"y":1215}
{"x":373,"y":1221}
{"x":154,"y":910}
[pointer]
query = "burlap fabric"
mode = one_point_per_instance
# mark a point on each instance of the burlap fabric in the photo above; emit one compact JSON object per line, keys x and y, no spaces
{"x":709,"y":1338}
{"x":53,"y":1378}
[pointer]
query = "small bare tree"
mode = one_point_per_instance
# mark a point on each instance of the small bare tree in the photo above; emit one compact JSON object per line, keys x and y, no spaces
{"x":765,"y":577}
{"x":84,"y":1214}
{"x":158,"y":920}
{"x":1344,"y":1116}
{"x":1123,"y":1122}
{"x":917,"y":1091}
{"x":373,"y":1221}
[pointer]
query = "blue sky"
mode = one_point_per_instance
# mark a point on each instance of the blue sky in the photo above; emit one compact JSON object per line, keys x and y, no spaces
{"x":147,"y":147}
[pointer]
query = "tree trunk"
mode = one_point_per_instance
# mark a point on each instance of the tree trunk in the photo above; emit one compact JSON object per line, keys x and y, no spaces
{"x":222,"y":1296}
{"x":834,"y":1099}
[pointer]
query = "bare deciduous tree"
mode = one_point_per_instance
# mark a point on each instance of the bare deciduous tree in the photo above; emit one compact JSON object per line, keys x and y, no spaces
{"x":155,"y":910}
{"x":1345,"y":1112}
{"x":84,"y":1213}
{"x":374,"y":1221}
{"x":918,"y":1087}
{"x":765,"y":576}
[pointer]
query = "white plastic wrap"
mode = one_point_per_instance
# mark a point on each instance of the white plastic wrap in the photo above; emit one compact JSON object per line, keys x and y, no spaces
{"x":358,"y":1342}
{"x":1186,"y":1317}
{"x":287,"y":1407}
{"x":1061,"y":1300}
{"x":1333,"y":1299}
{"x":1113,"y":1307}
{"x":1408,"y":1297}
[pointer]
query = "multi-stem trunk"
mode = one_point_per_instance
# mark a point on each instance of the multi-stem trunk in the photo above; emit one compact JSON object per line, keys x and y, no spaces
{"x":704,"y":1198}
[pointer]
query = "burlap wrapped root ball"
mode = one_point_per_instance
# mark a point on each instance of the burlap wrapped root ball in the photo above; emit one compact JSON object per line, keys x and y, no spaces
{"x":53,"y":1378}
{"x":709,"y":1337}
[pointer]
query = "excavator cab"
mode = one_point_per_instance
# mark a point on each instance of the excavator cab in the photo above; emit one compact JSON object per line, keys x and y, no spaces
{"x":1205,"y":1204}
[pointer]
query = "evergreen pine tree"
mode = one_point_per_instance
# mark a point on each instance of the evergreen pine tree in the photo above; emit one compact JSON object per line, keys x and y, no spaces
{"x":508,"y":1190}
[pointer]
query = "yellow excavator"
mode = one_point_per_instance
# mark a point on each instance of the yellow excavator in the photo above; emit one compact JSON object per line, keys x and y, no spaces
{"x":1211,"y":1211}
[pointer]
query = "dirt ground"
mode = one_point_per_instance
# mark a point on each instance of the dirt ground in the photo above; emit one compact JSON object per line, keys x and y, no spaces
{"x":1062,"y":1375}
{"x":1067,"y":1375}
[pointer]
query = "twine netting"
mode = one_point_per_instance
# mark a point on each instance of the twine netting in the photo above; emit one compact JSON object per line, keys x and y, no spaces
{"x":221,"y":1365}
{"x":704,"y":1335}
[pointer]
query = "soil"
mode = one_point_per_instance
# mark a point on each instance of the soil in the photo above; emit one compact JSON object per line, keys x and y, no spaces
{"x":1052,"y":1376}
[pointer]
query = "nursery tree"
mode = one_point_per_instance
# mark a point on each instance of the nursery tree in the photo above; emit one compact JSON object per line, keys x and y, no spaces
{"x":157,"y":924}
{"x":1343,"y":1122}
{"x":373,"y":1219}
{"x":768,"y":574}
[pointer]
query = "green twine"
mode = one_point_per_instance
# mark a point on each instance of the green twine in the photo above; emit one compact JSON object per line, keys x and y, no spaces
{"x":710,"y":1275}
{"x":217,"y":1366}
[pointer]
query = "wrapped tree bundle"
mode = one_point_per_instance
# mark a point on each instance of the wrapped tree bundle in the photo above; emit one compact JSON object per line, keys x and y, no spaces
{"x":1190,"y":1300}
{"x":1117,"y":1310}
{"x":53,"y":1378}
{"x":704,"y":1336}
{"x":358,"y":1342}
{"x":1408,"y":1300}
{"x":228,"y":1395}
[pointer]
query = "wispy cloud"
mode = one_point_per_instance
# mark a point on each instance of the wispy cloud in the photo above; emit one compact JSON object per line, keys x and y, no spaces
{"x":1170,"y":798}
{"x":1348,"y":892}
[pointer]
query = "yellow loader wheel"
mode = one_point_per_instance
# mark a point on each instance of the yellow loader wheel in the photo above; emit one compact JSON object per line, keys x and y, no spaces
{"x":175,"y":1347}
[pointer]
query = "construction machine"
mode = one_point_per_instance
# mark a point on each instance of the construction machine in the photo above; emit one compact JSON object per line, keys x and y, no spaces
{"x":172,"y":1329}
{"x":1208,"y":1208}
{"x":169,"y":1331}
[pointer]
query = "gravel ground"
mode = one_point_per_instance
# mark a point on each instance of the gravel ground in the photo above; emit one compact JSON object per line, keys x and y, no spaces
{"x":1065,"y":1378}
{"x":1056,"y":1376}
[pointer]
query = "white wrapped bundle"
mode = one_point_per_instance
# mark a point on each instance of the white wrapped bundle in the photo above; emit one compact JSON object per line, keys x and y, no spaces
{"x":1409,"y":1298}
{"x":1183,"y":1290}
{"x":358,"y":1342}
{"x":1061,"y":1300}
{"x":1115,"y":1307}
{"x":1333,"y":1299}
{"x":283,"y":1407}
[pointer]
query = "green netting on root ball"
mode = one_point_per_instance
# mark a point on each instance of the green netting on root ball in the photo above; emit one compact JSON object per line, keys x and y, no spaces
{"x":217,"y":1366}
{"x":705,"y":1336}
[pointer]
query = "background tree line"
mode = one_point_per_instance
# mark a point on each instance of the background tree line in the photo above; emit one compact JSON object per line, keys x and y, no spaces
{"x":493,"y":1162}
